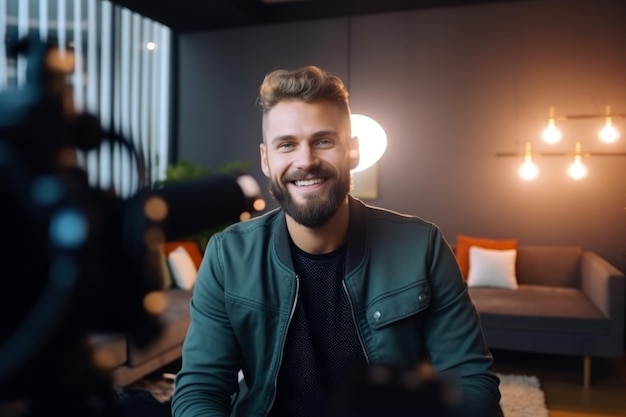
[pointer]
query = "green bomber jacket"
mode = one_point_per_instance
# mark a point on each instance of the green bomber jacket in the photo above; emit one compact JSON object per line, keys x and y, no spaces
{"x":408,"y":298}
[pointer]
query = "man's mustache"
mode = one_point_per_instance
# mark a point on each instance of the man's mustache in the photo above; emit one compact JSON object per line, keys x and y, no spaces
{"x":303,"y":175}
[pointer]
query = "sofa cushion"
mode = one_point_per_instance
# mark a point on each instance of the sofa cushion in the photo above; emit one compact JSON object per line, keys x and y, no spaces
{"x":464,"y":242}
{"x":556,"y":266}
{"x":492,"y":268}
{"x":538,"y":308}
{"x":175,"y":321}
{"x":182,"y":267}
{"x":192,"y":249}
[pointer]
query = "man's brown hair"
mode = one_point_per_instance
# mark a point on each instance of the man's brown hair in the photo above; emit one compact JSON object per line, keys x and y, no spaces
{"x":308,"y":83}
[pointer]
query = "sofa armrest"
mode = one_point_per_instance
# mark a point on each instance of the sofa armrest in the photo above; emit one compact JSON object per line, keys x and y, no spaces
{"x":605,"y":286}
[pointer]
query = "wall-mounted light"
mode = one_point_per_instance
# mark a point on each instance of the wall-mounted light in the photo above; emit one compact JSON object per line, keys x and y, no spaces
{"x":528,"y":170}
{"x":372,"y":140}
{"x":577,"y":170}
{"x":609,"y":133}
{"x":551,"y":134}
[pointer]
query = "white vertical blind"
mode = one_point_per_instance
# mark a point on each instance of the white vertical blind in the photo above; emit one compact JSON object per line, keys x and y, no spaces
{"x":163,"y":100}
{"x":135,"y":88}
{"x":155,"y":81}
{"x":78,"y":75}
{"x":106,"y":92}
{"x":3,"y":48}
{"x":91,"y":84}
{"x":22,"y":30}
{"x":43,"y":20}
{"x":92,"y":70}
{"x":115,"y":78}
{"x":61,"y":24}
{"x":79,"y":85}
{"x":125,"y":100}
{"x":146,"y":97}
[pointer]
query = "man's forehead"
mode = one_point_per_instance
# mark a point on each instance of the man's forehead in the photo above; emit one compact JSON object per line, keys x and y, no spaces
{"x":298,"y":111}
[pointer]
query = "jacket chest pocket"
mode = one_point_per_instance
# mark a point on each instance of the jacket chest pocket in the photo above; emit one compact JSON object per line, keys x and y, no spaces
{"x":395,"y":320}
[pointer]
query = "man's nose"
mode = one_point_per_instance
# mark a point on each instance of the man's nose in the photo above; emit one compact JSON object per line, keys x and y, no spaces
{"x":306,"y":157}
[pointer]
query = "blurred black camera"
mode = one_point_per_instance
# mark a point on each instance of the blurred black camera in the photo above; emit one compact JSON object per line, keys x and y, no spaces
{"x":75,"y":258}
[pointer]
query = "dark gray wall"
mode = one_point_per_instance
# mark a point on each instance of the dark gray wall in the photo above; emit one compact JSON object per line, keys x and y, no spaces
{"x":452,"y":87}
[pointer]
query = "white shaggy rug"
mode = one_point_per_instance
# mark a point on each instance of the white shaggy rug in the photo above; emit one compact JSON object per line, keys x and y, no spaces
{"x":522,"y":396}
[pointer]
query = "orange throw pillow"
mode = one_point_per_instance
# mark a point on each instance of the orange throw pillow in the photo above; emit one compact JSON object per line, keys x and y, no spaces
{"x":192,"y":249}
{"x":463,"y":243}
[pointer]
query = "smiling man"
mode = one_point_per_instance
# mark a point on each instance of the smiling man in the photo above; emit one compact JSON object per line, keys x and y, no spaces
{"x":303,"y":296}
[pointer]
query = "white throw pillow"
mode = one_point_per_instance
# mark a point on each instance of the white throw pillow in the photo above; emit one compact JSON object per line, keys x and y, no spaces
{"x":183,"y":269}
{"x":492,"y":268}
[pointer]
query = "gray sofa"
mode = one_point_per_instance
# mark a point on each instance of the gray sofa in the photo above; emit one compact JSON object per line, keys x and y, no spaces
{"x":128,"y":363}
{"x":570,"y":301}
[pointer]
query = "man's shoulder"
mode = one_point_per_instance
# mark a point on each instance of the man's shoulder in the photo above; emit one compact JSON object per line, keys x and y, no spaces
{"x":376,"y":213}
{"x":259,"y":224}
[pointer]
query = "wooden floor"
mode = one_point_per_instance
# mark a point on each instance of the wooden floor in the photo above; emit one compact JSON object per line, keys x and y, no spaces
{"x":561,"y":378}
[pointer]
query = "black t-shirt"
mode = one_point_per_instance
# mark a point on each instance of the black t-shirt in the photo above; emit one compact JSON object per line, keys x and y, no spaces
{"x":322,"y":344}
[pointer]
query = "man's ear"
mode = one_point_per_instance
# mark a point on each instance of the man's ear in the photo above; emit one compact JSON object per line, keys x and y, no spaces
{"x":354,"y":154}
{"x":264,"y":165}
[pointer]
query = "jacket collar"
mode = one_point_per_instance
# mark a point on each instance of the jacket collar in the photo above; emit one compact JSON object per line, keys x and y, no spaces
{"x":357,"y":232}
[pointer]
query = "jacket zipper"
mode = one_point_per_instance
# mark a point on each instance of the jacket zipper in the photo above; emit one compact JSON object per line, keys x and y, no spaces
{"x":356,"y":324}
{"x":282,"y":346}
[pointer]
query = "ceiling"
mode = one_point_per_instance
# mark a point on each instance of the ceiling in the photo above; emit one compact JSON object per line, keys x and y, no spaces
{"x":201,"y":15}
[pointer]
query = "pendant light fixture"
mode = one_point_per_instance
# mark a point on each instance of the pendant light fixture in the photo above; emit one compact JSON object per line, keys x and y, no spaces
{"x":577,"y":170}
{"x":528,"y":170}
{"x":609,"y":133}
{"x":551,"y":134}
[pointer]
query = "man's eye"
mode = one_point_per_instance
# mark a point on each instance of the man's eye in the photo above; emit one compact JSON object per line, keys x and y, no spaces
{"x":324,"y":142}
{"x":285,"y":145}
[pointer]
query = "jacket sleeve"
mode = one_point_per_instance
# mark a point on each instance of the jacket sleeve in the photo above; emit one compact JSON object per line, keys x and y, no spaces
{"x":453,"y":335}
{"x":210,"y":357}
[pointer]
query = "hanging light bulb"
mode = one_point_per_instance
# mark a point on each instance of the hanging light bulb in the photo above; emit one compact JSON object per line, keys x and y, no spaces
{"x":608,"y":134}
{"x":577,"y":170}
{"x":372,"y":140}
{"x":551,"y":134}
{"x":528,"y":171}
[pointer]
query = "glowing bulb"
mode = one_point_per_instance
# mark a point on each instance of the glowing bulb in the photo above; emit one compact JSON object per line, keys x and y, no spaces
{"x":372,"y":140}
{"x":608,"y":134}
{"x":577,"y":170}
{"x":551,"y":134}
{"x":150,"y":46}
{"x":528,"y":171}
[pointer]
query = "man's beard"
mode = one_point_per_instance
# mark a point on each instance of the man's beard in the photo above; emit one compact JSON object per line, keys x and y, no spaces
{"x":318,"y":208}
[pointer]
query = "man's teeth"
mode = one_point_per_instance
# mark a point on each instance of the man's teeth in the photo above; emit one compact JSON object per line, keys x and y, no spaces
{"x":305,"y":183}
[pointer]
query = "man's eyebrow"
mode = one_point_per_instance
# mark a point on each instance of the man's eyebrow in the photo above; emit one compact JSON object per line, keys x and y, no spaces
{"x":318,"y":134}
{"x":281,"y":138}
{"x":323,"y":133}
